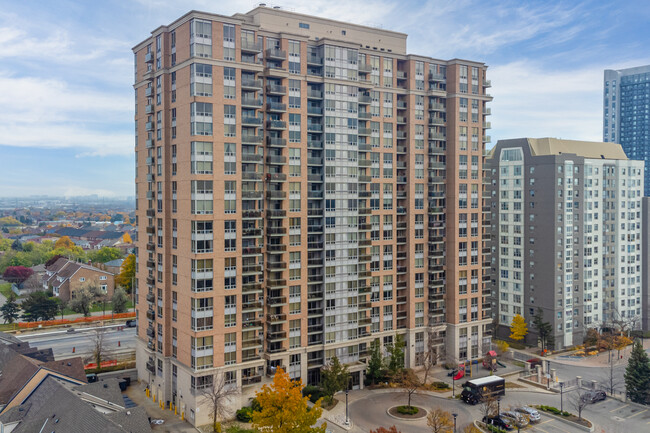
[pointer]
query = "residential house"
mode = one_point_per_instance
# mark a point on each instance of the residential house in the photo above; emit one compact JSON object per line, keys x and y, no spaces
{"x":65,"y":277}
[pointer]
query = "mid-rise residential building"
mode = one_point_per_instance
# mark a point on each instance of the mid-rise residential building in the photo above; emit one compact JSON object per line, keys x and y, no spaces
{"x":626,"y":113}
{"x":645,"y":265}
{"x":304,"y":188}
{"x":566,"y":235}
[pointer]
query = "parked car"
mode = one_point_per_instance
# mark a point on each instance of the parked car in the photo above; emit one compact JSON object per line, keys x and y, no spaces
{"x":531,"y":413}
{"x":518,"y":419}
{"x":498,"y":421}
{"x":534,"y":362}
{"x":594,"y":396}
{"x":130,"y":323}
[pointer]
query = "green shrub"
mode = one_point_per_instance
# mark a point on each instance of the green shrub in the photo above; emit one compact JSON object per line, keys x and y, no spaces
{"x":565,"y":413}
{"x":407,"y":410}
{"x":245,"y":414}
{"x":314,"y":393}
{"x":495,"y":429}
{"x":440,"y":385}
{"x":255,"y":405}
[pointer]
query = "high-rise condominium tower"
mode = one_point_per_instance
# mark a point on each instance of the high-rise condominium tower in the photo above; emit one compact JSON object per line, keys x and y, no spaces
{"x":304,"y":188}
{"x":566,"y":235}
{"x":626,"y":113}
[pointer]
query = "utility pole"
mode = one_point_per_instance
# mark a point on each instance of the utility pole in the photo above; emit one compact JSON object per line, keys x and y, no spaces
{"x":561,"y":397}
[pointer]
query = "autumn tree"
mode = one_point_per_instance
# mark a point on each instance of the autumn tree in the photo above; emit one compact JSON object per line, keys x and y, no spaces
{"x":218,"y":394}
{"x":518,"y":328}
{"x":99,"y":352}
{"x":440,"y":421}
{"x":10,"y":310}
{"x":17,"y":274}
{"x":127,"y":273}
{"x":334,"y":377}
{"x":409,"y":382}
{"x":65,"y":243}
{"x":637,"y":374}
{"x":391,"y":429}
{"x":127,"y":238}
{"x":284,"y":409}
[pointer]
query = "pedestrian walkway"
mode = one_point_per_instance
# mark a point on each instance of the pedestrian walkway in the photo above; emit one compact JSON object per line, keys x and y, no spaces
{"x":600,"y":360}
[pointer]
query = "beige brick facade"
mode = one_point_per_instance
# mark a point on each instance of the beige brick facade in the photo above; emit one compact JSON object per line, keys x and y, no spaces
{"x":319,"y":211}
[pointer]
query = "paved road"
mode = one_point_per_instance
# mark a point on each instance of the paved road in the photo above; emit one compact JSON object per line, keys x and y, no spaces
{"x":610,"y":416}
{"x":589,"y":373}
{"x":81,"y":339}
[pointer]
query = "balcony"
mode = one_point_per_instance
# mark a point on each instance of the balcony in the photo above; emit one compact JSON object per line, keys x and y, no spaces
{"x":247,"y":175}
{"x":251,"y":46}
{"x":148,"y":92}
{"x":487,"y":83}
{"x":276,"y":318}
{"x":276,"y":106}
{"x":276,"y":142}
{"x":314,"y":161}
{"x":251,"y":121}
{"x":401,"y":75}
{"x":314,"y":94}
{"x":249,"y":233}
{"x":314,"y":127}
{"x":248,"y":83}
{"x":276,"y":89}
{"x":276,"y":177}
{"x":433,"y":76}
{"x":276,"y":283}
{"x":276,"y":124}
{"x":252,"y":324}
{"x":275,"y":53}
{"x":251,"y":157}
{"x":276,"y":195}
{"x":276,"y":213}
{"x":250,"y":306}
{"x":251,"y":102}
{"x":148,"y":58}
{"x":250,"y":380}
{"x":365,"y":68}
{"x":315,"y":111}
{"x":276,"y":231}
{"x":251,"y":214}
{"x":276,"y":335}
{"x":275,"y":159}
{"x":277,"y":301}
{"x":276,"y":248}
{"x":314,"y":60}
{"x":436,"y":121}
{"x":365,"y":99}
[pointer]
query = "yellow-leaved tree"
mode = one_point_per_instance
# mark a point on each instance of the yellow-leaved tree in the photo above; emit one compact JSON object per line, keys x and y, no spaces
{"x":284,"y":409}
{"x":518,"y":328}
{"x":127,"y":238}
{"x":127,"y":273}
{"x":64,"y":242}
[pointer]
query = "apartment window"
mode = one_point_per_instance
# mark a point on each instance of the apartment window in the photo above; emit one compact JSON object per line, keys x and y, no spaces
{"x":201,"y":157}
{"x":202,"y":198}
{"x":202,"y":273}
{"x":229,"y":78}
{"x":203,"y":349}
{"x":201,"y":118}
{"x":202,"y":314}
{"x":230,"y":235}
{"x":229,"y":198}
{"x":200,"y":79}
{"x":230,"y":348}
{"x":202,"y":237}
{"x":201,"y":38}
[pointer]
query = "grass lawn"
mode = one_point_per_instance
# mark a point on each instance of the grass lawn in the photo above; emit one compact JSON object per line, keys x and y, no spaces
{"x":97,"y":307}
{"x":5,"y":289}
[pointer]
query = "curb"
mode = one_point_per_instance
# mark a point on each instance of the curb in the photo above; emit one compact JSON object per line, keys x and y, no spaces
{"x":426,"y":412}
{"x":571,"y":423}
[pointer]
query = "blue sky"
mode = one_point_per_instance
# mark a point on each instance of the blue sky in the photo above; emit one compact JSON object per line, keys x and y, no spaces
{"x":66,"y":72}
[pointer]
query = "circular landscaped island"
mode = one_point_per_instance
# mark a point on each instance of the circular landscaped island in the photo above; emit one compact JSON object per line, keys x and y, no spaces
{"x":407,"y":412}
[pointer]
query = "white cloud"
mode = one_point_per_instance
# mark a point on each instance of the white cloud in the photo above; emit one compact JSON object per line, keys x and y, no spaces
{"x":48,"y":113}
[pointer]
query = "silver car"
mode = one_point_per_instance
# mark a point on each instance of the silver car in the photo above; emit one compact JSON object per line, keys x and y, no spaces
{"x":531,"y":413}
{"x":518,"y":419}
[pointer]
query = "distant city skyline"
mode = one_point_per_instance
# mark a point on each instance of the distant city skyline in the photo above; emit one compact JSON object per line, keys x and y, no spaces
{"x":66,"y":73}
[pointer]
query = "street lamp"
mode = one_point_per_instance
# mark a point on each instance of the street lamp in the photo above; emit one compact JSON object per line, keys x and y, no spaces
{"x":455,"y":415}
{"x":347,"y":414}
{"x":498,"y":406}
{"x":561,"y":399}
{"x":453,"y":384}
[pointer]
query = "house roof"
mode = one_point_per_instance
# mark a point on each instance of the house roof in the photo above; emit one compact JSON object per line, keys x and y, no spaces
{"x":107,"y":390}
{"x":117,"y":263}
{"x":134,"y":420}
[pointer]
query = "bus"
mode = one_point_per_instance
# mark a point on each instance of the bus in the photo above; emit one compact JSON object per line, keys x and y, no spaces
{"x":475,"y":390}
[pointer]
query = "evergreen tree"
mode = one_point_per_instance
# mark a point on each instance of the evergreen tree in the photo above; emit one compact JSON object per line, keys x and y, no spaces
{"x":396,"y":351}
{"x":375,"y":363}
{"x":544,"y":329}
{"x":334,"y":377}
{"x":10,"y":310}
{"x":39,"y":306}
{"x":637,"y":374}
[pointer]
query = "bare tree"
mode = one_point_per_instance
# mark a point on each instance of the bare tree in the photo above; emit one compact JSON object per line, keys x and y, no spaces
{"x":579,"y":400}
{"x":489,"y":406}
{"x":99,"y":347}
{"x":431,"y":358}
{"x":440,"y":421}
{"x":610,"y":380}
{"x":410,"y":383}
{"x":218,"y":394}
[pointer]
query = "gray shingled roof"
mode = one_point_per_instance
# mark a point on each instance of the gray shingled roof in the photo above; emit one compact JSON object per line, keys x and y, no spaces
{"x":106,"y":389}
{"x":135,"y":420}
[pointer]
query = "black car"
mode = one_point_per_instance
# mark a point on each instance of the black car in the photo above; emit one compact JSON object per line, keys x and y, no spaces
{"x":130,"y":323}
{"x":498,"y":421}
{"x":594,"y":396}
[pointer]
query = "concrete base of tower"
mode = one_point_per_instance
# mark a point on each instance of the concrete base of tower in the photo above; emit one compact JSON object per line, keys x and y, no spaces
{"x":468,"y":341}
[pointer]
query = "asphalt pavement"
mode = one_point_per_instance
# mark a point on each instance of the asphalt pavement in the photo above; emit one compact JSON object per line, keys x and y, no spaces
{"x":117,"y":338}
